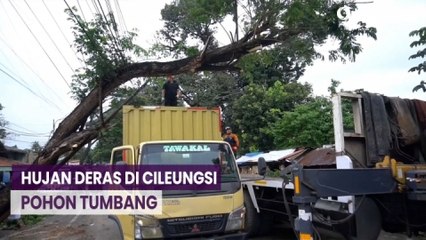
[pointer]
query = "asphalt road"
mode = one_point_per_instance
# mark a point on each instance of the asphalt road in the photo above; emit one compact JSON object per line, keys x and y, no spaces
{"x":72,"y":227}
{"x":77,"y":227}
{"x":69,"y":227}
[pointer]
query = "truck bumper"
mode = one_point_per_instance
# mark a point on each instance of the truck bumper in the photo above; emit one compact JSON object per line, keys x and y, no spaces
{"x":233,"y":236}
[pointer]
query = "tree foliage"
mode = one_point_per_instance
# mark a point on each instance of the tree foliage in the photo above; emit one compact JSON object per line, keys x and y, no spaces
{"x":3,"y":123}
{"x":260,"y":107}
{"x":273,"y":41}
{"x":191,"y":19}
{"x":278,"y":23}
{"x":421,"y":34}
{"x":103,"y":50}
{"x":210,"y":90}
{"x":36,"y":147}
{"x":421,"y":67}
{"x":308,"y":125}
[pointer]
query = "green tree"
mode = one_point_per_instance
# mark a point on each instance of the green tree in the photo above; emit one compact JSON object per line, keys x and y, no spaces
{"x":189,"y":35}
{"x":36,"y":147}
{"x":308,"y":125}
{"x":259,"y":107}
{"x":421,"y":67}
{"x":209,"y":89}
{"x":3,"y":123}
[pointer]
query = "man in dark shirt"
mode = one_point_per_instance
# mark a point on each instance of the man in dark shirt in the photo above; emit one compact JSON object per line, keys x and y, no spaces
{"x":171,"y":92}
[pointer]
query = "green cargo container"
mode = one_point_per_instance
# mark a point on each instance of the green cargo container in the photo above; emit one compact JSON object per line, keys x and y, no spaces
{"x":141,"y":124}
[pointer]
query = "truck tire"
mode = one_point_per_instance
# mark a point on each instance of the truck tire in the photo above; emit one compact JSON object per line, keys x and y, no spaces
{"x":368,"y":220}
{"x":266,"y":223}
{"x":252,"y":220}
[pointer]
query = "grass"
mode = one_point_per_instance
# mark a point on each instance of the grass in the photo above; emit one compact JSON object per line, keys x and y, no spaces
{"x":29,"y":220}
{"x":25,"y":220}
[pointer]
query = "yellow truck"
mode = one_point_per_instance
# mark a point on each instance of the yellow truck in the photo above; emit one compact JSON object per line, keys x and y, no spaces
{"x":186,"y":214}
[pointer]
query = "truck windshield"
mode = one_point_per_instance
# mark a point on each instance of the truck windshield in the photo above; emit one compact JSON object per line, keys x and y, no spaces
{"x":192,"y":154}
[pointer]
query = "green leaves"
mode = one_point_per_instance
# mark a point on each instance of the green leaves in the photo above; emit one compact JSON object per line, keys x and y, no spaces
{"x":308,"y":125}
{"x":103,"y":50}
{"x":3,"y":123}
{"x":273,"y":23}
{"x":260,"y":107}
{"x":421,"y":34}
{"x":191,"y":19}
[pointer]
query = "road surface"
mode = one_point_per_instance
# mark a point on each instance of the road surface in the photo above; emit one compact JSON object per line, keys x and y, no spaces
{"x":69,"y":227}
{"x":76,"y":227}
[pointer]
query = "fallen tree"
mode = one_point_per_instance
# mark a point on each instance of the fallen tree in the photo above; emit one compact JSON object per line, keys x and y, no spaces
{"x":273,"y":25}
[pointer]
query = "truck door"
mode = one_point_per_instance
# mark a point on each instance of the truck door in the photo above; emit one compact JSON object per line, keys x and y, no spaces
{"x":119,"y":156}
{"x":123,"y":155}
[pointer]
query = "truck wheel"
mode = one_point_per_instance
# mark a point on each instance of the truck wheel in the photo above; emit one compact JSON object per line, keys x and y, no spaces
{"x":252,"y":220}
{"x":368,"y":220}
{"x":266,"y":222}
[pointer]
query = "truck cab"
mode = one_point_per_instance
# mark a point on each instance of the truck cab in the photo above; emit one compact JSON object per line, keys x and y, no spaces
{"x":186,"y":214}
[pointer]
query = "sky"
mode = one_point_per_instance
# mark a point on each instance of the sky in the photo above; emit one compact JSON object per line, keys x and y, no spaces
{"x":37,"y":62}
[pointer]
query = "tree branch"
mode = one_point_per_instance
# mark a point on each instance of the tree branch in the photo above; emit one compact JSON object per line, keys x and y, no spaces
{"x":209,"y":61}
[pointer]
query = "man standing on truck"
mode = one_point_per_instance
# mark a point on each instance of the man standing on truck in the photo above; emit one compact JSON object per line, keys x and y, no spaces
{"x":171,"y":92}
{"x":232,"y":139}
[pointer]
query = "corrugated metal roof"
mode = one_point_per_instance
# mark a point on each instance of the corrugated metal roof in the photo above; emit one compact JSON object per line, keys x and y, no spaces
{"x":305,"y":156}
{"x":317,"y":157}
{"x":6,"y":162}
{"x":269,"y":156}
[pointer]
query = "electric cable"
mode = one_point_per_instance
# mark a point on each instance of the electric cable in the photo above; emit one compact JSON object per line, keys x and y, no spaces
{"x":114,"y":39}
{"x":120,"y":15}
{"x":50,"y":37}
{"x":81,"y":10}
{"x":60,"y":29}
{"x":39,"y":43}
{"x":90,"y":9}
{"x":30,"y":68}
{"x":29,"y":89}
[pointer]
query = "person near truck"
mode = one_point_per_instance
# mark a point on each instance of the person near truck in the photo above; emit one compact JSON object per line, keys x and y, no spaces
{"x":232,"y":139}
{"x":171,"y":92}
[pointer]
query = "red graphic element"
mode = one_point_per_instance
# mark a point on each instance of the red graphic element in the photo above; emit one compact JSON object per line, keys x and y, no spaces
{"x":195,"y":228}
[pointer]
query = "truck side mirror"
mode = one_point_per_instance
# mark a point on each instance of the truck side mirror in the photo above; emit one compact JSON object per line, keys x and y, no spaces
{"x":261,"y":166}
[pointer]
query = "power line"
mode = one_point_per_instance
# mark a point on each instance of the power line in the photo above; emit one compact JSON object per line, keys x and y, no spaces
{"x":91,"y":11}
{"x":81,"y":9}
{"x":30,"y":68}
{"x":25,"y":83}
{"x":60,"y":29}
{"x":120,"y":15}
{"x":16,"y":125}
{"x":8,"y":17}
{"x":15,"y":74}
{"x":56,"y":67}
{"x":27,"y":134}
{"x":111,"y":13}
{"x":113,"y":18}
{"x":11,"y":139}
{"x":96,"y":7}
{"x":29,"y":89}
{"x":114,"y":39}
{"x":50,"y":37}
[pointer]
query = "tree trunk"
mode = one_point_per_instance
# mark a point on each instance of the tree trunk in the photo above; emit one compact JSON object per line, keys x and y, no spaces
{"x":67,"y":138}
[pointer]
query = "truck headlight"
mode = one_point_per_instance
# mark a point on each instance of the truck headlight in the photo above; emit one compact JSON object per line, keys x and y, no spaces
{"x":236,"y":220}
{"x":147,"y":227}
